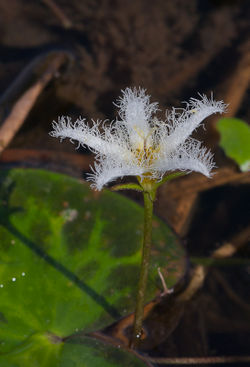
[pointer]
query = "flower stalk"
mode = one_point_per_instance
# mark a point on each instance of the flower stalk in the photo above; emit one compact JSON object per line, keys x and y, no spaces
{"x":142,"y":286}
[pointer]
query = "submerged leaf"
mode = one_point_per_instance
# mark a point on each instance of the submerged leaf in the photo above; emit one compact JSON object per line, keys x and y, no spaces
{"x":69,"y":259}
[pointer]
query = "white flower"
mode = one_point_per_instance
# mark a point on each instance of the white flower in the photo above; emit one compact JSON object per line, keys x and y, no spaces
{"x":138,"y":144}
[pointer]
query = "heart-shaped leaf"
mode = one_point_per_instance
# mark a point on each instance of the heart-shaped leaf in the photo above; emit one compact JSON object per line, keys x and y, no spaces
{"x":70,"y":258}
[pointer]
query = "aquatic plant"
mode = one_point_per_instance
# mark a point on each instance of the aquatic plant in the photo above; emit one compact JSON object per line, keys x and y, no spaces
{"x":138,"y":144}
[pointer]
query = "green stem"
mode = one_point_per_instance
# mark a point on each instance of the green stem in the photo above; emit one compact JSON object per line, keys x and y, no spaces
{"x":148,"y":214}
{"x":128,"y":186}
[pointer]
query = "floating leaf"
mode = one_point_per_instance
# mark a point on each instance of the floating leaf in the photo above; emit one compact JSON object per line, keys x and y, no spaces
{"x":235,"y":140}
{"x":42,"y":351}
{"x":70,"y":258}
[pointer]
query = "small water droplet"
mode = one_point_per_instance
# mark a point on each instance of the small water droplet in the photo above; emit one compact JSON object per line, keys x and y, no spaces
{"x":1,"y":285}
{"x":13,"y":241}
{"x":23,"y":274}
{"x":13,"y":279}
{"x":69,"y":214}
{"x":76,"y":329}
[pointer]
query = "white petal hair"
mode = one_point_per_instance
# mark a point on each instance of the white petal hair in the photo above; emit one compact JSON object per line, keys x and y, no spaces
{"x":138,"y":144}
{"x":135,"y":107}
{"x":182,"y":122}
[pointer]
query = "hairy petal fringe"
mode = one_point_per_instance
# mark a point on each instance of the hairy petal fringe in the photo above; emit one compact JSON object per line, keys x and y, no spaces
{"x":182,"y":122}
{"x":99,"y":142}
{"x":140,"y":145}
{"x":191,"y":156}
{"x":108,"y":170}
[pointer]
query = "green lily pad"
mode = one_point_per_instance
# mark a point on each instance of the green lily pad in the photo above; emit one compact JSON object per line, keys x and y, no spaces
{"x":235,"y":140}
{"x":70,"y":258}
{"x":43,"y":351}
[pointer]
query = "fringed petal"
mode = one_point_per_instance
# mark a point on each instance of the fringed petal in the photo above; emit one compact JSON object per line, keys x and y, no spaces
{"x":108,"y":170}
{"x":99,"y":142}
{"x":136,"y":113}
{"x":182,"y":122}
{"x":191,"y":156}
